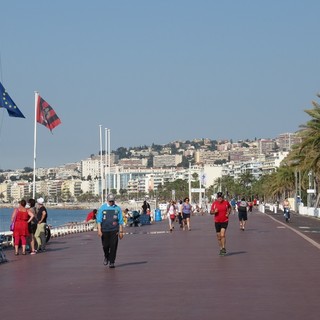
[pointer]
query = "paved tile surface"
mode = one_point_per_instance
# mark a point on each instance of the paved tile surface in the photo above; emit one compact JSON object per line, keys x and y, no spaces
{"x":270,"y":272}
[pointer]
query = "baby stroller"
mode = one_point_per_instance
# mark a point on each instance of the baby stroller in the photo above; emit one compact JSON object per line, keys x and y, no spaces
{"x":133,"y":219}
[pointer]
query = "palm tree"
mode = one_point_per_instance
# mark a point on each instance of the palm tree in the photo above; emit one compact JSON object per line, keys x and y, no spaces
{"x":307,"y":155}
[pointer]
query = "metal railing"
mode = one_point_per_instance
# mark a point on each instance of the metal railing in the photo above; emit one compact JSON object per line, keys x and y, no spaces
{"x":69,"y":228}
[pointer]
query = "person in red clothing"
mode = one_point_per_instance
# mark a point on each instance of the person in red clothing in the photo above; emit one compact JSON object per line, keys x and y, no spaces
{"x":221,"y":209}
{"x":91,"y":215}
{"x":22,"y":217}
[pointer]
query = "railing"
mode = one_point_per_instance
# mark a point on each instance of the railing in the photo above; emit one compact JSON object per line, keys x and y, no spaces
{"x":70,"y":228}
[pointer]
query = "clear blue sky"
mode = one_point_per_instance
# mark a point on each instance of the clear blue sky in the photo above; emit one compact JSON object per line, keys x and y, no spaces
{"x":154,"y":71}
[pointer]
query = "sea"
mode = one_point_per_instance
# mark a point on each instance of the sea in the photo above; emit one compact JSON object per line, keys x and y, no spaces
{"x":56,"y":217}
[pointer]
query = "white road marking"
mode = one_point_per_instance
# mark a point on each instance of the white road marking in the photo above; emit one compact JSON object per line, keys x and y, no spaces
{"x":314,"y":243}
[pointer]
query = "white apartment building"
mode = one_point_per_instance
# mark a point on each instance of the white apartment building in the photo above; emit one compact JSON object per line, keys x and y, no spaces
{"x":90,"y":168}
{"x":133,"y":162}
{"x":167,"y":160}
{"x":256,"y":167}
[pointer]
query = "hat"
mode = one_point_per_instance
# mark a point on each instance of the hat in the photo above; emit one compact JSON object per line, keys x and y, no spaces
{"x":40,"y":201}
{"x":110,"y":197}
{"x":219,"y":195}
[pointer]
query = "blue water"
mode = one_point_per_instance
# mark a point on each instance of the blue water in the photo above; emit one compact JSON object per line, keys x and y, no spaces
{"x":56,"y":217}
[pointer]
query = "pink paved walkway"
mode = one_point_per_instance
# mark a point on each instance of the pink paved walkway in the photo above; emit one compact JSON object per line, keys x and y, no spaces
{"x":270,"y":272}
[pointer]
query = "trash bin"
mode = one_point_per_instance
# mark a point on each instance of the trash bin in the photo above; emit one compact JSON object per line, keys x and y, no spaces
{"x":157,"y":215}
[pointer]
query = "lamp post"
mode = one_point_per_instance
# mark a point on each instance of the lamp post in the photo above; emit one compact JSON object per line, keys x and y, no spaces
{"x":190,"y":181}
{"x":309,"y":191}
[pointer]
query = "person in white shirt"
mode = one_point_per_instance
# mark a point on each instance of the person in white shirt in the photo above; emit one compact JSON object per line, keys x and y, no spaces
{"x":171,"y":214}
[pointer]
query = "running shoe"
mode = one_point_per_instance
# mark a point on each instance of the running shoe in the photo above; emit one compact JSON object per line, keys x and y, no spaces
{"x":105,"y":261}
{"x":111,"y":265}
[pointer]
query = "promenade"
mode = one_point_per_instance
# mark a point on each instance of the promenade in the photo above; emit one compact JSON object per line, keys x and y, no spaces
{"x":271,"y":272}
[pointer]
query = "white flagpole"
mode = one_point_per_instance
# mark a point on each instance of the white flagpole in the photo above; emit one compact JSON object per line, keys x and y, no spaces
{"x":109,"y":162}
{"x":36,"y":95}
{"x":106,"y":159}
{"x":101,"y":165}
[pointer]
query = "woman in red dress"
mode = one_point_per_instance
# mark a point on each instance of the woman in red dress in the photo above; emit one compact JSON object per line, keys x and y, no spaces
{"x":22,"y":217}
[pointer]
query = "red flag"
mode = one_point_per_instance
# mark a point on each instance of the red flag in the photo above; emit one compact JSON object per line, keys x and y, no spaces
{"x":46,"y":115}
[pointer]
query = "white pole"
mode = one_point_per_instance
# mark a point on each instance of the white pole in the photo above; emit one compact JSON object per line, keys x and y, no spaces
{"x":190,"y":182}
{"x":200,"y":177}
{"x":101,"y":166}
{"x":106,"y":159}
{"x":109,"y":162}
{"x":36,"y":96}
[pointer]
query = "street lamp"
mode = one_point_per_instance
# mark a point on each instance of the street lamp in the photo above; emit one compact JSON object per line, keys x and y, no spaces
{"x":190,"y":181}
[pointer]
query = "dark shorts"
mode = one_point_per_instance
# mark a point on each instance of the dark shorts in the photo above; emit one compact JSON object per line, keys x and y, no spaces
{"x":32,"y":227}
{"x":220,"y":225}
{"x":185,"y":215}
{"x":243,"y":216}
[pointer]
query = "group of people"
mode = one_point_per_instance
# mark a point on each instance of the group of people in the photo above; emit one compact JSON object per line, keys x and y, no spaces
{"x":220,"y":208}
{"x":182,"y":211}
{"x":110,"y":223}
{"x":29,"y":223}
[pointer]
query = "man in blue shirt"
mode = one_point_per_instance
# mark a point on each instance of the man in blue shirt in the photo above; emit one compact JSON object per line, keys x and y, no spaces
{"x":110,"y":229}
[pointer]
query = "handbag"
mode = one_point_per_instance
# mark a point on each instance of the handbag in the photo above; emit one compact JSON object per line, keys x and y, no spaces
{"x":13,"y":222}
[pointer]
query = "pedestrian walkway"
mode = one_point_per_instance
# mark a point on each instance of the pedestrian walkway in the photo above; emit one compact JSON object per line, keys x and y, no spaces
{"x":270,"y":272}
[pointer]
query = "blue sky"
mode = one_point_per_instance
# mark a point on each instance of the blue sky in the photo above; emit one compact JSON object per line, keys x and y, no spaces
{"x":154,"y":72}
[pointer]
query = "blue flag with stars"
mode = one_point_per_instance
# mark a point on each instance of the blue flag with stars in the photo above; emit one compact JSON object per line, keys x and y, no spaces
{"x":7,"y":103}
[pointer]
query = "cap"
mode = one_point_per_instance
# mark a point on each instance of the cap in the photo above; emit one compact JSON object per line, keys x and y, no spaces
{"x":219,"y":195}
{"x":40,"y":201}
{"x":110,"y":197}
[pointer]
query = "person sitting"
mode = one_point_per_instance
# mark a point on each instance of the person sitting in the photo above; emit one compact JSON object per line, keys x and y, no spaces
{"x":91,"y":217}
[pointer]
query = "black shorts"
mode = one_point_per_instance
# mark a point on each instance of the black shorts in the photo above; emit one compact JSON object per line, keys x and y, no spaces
{"x":220,"y":225}
{"x":243,"y":216}
{"x":185,"y":215}
{"x":32,"y":227}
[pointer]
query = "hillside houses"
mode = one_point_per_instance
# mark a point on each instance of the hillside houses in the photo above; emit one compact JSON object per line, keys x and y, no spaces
{"x":143,"y":169}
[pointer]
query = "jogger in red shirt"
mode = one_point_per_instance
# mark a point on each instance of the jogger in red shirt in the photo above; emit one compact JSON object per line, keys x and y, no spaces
{"x":221,"y":209}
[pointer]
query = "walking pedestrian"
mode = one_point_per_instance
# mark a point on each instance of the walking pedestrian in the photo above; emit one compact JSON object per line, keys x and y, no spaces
{"x":233,"y":205}
{"x":286,"y":209}
{"x":221,"y":208}
{"x":171,"y":214}
{"x":110,"y":229}
{"x":186,"y":213}
{"x":40,"y":234}
{"x":180,"y":213}
{"x":242,"y":212}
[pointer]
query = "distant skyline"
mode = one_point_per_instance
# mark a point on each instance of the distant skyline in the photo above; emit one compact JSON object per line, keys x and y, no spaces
{"x":154,"y":72}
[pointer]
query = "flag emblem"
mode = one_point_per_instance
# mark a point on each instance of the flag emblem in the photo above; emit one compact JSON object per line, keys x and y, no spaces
{"x":46,"y":115}
{"x":7,"y":103}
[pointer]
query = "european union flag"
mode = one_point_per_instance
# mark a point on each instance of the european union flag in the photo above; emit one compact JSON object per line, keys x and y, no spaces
{"x":7,"y":103}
